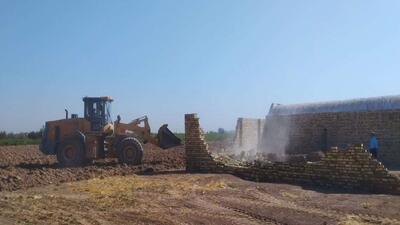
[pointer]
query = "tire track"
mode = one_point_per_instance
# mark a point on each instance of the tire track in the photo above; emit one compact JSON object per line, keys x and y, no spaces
{"x":331,"y":213}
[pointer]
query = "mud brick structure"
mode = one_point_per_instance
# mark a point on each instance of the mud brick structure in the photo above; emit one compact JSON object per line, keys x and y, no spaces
{"x":248,"y":133}
{"x":312,"y":127}
{"x":198,"y":158}
{"x":306,"y":132}
{"x":352,"y":169}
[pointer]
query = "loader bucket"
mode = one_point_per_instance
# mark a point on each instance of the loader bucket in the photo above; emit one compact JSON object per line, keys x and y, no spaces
{"x":167,"y":139}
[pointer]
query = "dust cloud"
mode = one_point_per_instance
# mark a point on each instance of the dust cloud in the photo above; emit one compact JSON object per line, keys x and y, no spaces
{"x":269,"y":139}
{"x":276,"y":135}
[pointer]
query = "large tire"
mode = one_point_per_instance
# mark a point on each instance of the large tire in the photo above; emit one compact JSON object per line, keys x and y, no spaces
{"x":130,"y":151}
{"x":71,"y":153}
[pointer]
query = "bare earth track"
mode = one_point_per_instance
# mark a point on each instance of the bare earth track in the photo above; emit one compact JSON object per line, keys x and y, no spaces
{"x":36,"y":191}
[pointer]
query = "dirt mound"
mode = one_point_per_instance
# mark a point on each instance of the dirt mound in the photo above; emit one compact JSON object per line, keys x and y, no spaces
{"x":25,"y":166}
{"x":14,"y":155}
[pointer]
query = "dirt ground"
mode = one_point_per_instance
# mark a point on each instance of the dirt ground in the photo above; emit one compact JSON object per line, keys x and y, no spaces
{"x":190,"y":199}
{"x":36,"y":191}
{"x":25,"y":166}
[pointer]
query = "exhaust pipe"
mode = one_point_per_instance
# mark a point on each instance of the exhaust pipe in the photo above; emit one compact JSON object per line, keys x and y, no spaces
{"x":66,"y":114}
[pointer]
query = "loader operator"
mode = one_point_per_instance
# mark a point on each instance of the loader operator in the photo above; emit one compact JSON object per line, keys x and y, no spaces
{"x":118,"y":119}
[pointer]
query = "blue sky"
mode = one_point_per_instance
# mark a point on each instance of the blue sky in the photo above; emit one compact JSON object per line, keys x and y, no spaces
{"x":221,"y":59}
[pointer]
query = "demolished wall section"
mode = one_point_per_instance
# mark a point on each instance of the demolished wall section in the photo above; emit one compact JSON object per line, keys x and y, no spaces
{"x":248,"y":134}
{"x":352,"y":169}
{"x":306,"y":133}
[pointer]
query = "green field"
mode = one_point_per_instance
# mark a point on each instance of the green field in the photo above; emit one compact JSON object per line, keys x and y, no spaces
{"x":19,"y":141}
{"x":211,"y":136}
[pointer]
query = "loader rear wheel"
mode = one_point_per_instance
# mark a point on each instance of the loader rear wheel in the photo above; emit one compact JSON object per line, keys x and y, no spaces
{"x":71,"y":153}
{"x":130,"y":151}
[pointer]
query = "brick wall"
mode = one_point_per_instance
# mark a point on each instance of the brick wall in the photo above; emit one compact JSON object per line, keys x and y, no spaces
{"x":351,"y":169}
{"x":198,"y":158}
{"x":248,"y":134}
{"x":305,"y":133}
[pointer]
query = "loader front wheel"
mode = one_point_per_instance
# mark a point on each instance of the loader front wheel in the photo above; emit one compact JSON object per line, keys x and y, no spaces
{"x":130,"y":151}
{"x":70,"y":153}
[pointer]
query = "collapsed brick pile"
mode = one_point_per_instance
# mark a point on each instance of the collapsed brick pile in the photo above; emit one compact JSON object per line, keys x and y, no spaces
{"x":351,"y":169}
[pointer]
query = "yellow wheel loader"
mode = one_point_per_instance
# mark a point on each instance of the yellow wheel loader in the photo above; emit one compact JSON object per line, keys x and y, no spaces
{"x":78,"y":140}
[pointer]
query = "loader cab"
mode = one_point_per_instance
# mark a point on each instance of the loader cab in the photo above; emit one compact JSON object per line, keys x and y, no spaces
{"x":97,"y":111}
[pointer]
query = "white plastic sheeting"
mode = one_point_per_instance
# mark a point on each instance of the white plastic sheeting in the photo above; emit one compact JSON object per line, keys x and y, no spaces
{"x":354,"y":105}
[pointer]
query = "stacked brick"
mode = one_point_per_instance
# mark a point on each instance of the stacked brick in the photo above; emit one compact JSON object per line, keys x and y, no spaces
{"x":351,"y":169}
{"x":198,"y":158}
{"x":356,"y":169}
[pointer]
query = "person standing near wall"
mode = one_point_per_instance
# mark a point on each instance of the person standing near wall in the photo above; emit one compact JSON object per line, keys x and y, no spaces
{"x":373,"y":145}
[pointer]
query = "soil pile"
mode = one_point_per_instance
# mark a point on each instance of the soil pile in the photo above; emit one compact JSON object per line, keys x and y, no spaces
{"x":25,"y":166}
